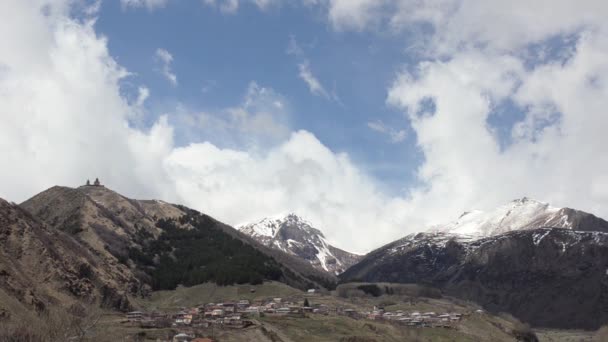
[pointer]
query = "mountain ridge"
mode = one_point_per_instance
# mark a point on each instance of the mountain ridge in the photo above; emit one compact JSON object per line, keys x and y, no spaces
{"x":127,"y":248}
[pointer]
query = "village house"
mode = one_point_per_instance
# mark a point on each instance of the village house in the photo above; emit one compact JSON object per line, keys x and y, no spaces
{"x":252,"y":310}
{"x":183,"y":318}
{"x":282,"y":311}
{"x":135,"y":316}
{"x":217,"y":313}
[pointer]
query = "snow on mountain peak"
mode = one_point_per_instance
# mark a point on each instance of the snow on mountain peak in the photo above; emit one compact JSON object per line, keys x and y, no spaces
{"x":292,"y":234}
{"x":523,"y":213}
{"x":270,"y":226}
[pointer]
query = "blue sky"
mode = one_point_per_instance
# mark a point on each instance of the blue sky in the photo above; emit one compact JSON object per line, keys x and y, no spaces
{"x":217,"y":55}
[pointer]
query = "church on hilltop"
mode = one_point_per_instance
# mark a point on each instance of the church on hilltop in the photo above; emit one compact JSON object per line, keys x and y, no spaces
{"x":95,"y":183}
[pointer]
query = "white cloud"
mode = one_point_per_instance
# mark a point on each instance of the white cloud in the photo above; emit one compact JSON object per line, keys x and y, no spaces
{"x":232,"y":6}
{"x":63,"y":119}
{"x":314,"y":85}
{"x":143,"y":94}
{"x":461,"y":24}
{"x":355,"y":14}
{"x":556,"y":149}
{"x":306,"y":74}
{"x":165,"y":58}
{"x":298,"y":175}
{"x":395,"y":135}
{"x":149,"y":4}
{"x":293,"y":48}
{"x":259,"y":121}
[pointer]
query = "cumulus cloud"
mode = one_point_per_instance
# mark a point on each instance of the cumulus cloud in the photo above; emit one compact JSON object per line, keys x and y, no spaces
{"x":554,"y":152}
{"x":63,"y":116}
{"x":165,"y":58}
{"x":149,"y":4}
{"x":300,"y":175}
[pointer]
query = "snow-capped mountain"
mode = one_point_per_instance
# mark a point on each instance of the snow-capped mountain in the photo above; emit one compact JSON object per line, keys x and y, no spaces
{"x":545,"y":265}
{"x":520,"y":214}
{"x":296,"y":236}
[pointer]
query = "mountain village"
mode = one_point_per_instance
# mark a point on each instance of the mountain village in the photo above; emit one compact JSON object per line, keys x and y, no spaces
{"x":203,"y":319}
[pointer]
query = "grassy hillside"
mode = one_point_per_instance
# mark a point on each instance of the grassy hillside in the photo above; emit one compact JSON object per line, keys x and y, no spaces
{"x":331,"y":328}
{"x":212,"y":293}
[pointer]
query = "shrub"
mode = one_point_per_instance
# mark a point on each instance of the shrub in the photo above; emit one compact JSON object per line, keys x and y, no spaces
{"x":370,"y":289}
{"x":524,"y":333}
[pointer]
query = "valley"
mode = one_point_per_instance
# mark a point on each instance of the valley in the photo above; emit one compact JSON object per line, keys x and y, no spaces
{"x":96,"y":263}
{"x":333,"y":325}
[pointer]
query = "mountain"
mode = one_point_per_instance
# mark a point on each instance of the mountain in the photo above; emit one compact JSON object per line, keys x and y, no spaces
{"x":293,"y":235}
{"x":546,"y":266}
{"x":101,"y":219}
{"x":42,"y":266}
{"x":92,"y":244}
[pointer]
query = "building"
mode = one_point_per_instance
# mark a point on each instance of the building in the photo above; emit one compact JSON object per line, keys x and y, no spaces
{"x":183,"y":317}
{"x":135,"y":316}
{"x":95,"y":183}
{"x":217,"y":313}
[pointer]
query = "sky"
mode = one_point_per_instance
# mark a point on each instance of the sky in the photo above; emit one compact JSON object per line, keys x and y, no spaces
{"x":372,"y":119}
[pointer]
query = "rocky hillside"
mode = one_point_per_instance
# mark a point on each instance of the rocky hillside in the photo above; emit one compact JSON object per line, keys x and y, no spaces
{"x":293,"y":235}
{"x":42,"y":266}
{"x":101,"y":219}
{"x":553,"y":277}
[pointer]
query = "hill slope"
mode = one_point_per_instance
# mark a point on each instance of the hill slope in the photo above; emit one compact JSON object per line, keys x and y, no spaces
{"x":293,"y":235}
{"x":41,"y":266}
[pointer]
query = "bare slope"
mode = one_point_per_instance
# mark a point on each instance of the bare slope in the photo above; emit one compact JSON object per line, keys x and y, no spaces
{"x":42,"y":266}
